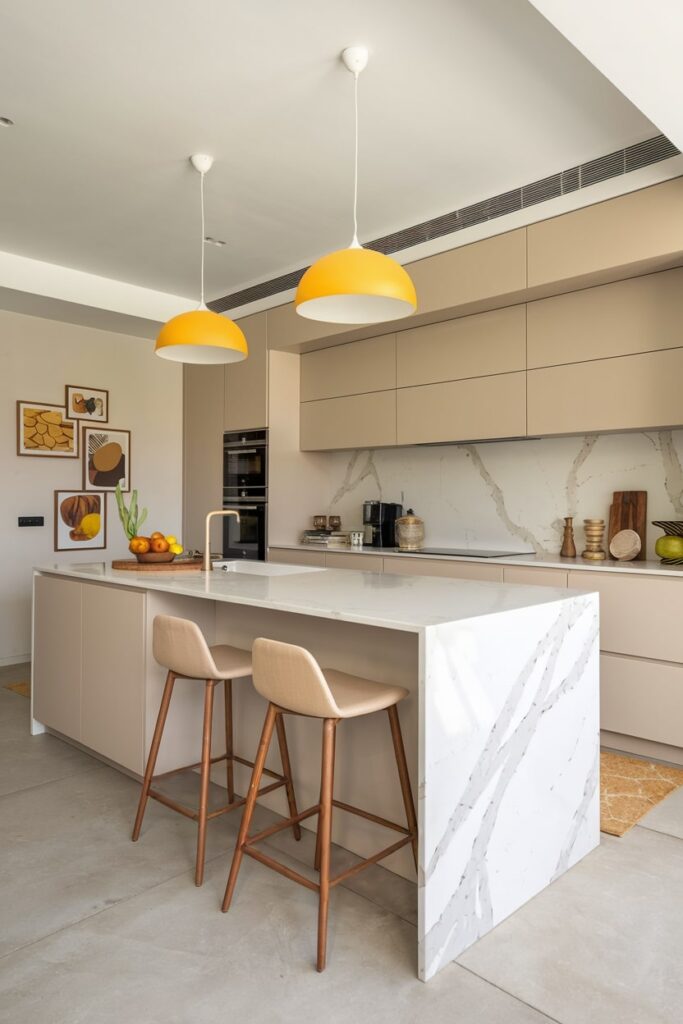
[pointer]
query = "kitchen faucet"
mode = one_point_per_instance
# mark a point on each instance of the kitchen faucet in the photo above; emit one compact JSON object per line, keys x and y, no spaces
{"x":207,"y":534}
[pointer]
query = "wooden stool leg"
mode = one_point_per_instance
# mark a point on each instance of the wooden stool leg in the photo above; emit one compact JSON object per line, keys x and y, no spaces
{"x":153,"y":754}
{"x":325,"y":830}
{"x":227,"y":684}
{"x":316,"y":862}
{"x":254,"y":784}
{"x":287,"y":772}
{"x":204,"y":784}
{"x":403,"y":775}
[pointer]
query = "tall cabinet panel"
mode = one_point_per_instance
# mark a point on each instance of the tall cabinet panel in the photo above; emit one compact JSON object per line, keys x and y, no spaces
{"x":57,"y":654}
{"x":204,"y":396}
{"x":112,"y":711}
{"x":246,"y":386}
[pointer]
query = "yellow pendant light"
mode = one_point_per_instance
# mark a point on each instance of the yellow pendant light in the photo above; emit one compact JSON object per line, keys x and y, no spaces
{"x":355,"y":285}
{"x":201,"y":336}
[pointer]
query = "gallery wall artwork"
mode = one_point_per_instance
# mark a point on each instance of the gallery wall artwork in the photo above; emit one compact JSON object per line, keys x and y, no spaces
{"x":90,"y":404}
{"x":44,"y":429}
{"x":106,"y":459}
{"x":80,"y":520}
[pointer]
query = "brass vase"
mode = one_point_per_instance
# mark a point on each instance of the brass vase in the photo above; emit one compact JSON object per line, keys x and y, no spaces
{"x":568,"y":549}
{"x":595,"y":531}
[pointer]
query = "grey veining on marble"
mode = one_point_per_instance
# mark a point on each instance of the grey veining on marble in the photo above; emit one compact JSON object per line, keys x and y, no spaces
{"x":504,"y":492}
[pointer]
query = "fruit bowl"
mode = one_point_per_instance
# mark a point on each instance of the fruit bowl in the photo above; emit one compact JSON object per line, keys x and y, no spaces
{"x":672,"y":528}
{"x":155,"y":556}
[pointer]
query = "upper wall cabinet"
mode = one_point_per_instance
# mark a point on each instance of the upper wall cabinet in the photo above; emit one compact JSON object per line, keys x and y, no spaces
{"x":642,"y":314}
{"x":619,"y":233}
{"x":353,"y":369}
{"x":626,"y":393}
{"x":246,"y":387}
{"x":488,"y":269}
{"x":463,"y":410}
{"x":356,"y":421}
{"x":471,"y":346}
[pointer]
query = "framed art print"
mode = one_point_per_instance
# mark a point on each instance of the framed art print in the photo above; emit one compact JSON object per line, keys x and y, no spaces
{"x":90,"y":404}
{"x":106,"y":459}
{"x":44,"y":429}
{"x":80,"y":521}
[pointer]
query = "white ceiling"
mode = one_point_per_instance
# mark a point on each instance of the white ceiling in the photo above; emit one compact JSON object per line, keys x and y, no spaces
{"x":462,"y":99}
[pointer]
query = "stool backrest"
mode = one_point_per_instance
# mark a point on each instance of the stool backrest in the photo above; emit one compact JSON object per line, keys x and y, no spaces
{"x":290,"y":677}
{"x":179,"y":645}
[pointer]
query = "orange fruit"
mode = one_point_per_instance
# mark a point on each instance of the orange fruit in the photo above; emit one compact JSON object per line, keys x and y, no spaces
{"x":158,"y":544}
{"x":155,"y":535}
{"x":139,"y":545}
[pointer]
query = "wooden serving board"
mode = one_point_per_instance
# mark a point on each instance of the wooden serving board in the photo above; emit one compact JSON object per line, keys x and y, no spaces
{"x":629,"y":512}
{"x":184,"y":565}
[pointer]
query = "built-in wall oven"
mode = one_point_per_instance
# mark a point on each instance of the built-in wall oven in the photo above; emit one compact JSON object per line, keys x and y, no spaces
{"x":245,"y":490}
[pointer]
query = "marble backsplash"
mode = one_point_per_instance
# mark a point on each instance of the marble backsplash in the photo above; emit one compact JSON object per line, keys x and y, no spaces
{"x":510,"y":494}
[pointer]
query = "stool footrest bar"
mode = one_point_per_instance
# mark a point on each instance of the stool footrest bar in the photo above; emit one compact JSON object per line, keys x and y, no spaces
{"x":357,"y":868}
{"x":293,"y":876}
{"x":371,"y":817}
{"x":287,"y":823}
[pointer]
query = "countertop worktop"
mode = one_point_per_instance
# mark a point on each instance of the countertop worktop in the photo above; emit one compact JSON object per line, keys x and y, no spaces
{"x":654,"y":568}
{"x":410,"y":603}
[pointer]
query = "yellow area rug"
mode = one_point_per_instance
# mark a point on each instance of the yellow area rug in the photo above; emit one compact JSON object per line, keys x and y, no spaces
{"x":630,"y":787}
{"x":22,"y":688}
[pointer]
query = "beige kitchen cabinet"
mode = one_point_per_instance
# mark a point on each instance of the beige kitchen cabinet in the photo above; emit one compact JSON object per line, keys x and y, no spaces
{"x":469,"y":346}
{"x":203,"y":402}
{"x":488,"y":269}
{"x":642,"y":698}
{"x":642,"y":314}
{"x":535,"y":577}
{"x":363,"y":563}
{"x":353,"y":369}
{"x":57,"y":669}
{"x":246,"y":382}
{"x":455,"y":570}
{"x":639,"y":615}
{"x":112,"y":702}
{"x":289,"y":556}
{"x":357,"y":421}
{"x":464,"y":410}
{"x":617,"y":234}
{"x":626,"y":393}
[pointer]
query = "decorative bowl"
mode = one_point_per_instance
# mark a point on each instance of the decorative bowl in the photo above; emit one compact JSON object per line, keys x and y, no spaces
{"x":672,"y":528}
{"x":156,"y":556}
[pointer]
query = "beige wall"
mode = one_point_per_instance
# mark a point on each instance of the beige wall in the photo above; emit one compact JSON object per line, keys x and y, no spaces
{"x":37,"y":358}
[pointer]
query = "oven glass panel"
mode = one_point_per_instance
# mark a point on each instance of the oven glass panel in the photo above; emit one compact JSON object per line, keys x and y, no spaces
{"x":246,"y":539}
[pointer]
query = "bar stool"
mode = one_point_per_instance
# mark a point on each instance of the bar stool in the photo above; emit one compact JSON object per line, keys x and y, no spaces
{"x":292,"y":682}
{"x":179,"y":645}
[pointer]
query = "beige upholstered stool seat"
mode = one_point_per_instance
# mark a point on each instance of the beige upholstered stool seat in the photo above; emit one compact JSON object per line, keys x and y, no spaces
{"x":230,"y":662}
{"x":355,"y":696}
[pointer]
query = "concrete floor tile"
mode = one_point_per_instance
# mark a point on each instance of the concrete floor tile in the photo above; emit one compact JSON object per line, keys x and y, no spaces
{"x":169,"y":956}
{"x":666,"y":817}
{"x":67,"y":851}
{"x":603,"y":943}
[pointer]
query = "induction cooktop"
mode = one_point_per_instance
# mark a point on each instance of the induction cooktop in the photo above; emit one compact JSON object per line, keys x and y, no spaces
{"x":472,"y":553}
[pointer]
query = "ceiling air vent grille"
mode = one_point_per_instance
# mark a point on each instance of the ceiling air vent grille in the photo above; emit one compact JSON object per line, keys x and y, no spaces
{"x":571,"y":180}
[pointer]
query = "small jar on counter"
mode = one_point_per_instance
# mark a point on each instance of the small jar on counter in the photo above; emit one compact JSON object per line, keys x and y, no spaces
{"x":410,"y":532}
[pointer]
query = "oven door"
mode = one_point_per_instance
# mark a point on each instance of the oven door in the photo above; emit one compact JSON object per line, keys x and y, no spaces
{"x":246,"y":538}
{"x":245,"y":469}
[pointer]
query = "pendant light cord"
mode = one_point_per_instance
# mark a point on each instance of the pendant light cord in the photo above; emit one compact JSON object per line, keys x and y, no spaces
{"x":355,"y":244}
{"x":201,"y":194}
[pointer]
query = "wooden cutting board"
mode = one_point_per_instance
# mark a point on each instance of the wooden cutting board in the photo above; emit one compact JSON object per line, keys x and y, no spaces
{"x":132,"y":564}
{"x":629,"y":512}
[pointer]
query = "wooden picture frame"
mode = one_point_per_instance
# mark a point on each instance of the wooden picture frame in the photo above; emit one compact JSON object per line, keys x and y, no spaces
{"x":43,"y":436}
{"x":88,"y":404}
{"x":71,"y":509}
{"x":104,"y":477}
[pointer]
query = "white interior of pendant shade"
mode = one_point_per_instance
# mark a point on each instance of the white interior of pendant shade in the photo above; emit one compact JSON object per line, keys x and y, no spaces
{"x":201,"y":354}
{"x":355,"y":309}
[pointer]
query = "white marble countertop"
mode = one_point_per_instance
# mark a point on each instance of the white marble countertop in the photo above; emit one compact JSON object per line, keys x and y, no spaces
{"x":391,"y":601}
{"x":654,"y":568}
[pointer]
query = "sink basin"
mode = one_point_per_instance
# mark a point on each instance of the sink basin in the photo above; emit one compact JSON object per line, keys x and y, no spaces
{"x":246,"y":568}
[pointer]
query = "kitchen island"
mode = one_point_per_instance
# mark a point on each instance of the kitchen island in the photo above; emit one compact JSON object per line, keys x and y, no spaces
{"x":501,"y":726}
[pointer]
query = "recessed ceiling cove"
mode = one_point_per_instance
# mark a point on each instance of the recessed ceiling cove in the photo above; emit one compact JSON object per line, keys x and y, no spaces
{"x":461,"y":101}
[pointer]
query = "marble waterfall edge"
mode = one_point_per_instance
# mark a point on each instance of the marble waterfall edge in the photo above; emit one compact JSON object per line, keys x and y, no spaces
{"x":509,"y":767}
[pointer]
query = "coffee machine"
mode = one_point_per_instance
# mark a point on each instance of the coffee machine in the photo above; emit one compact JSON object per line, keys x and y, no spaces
{"x":379,"y":522}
